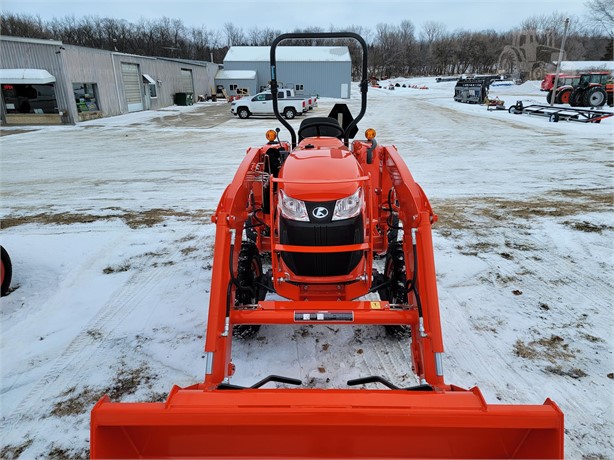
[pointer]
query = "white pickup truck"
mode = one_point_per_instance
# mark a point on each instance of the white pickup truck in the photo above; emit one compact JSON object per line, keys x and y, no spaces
{"x":288,"y":93}
{"x":262,"y":104}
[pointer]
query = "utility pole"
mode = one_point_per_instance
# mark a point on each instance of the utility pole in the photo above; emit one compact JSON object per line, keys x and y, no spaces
{"x":558,"y":64}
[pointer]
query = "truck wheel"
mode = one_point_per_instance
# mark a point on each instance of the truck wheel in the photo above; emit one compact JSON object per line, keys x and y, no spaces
{"x":249,"y":274}
{"x":6,"y":271}
{"x":289,"y":113}
{"x":595,"y":97}
{"x":243,"y":112}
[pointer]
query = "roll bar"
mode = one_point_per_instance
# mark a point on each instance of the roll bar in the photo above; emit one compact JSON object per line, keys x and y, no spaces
{"x":326,"y":35}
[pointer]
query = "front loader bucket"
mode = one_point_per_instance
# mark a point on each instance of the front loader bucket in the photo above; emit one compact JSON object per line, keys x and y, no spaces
{"x":294,"y":423}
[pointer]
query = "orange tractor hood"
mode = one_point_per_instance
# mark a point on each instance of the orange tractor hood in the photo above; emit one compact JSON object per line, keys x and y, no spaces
{"x":326,"y":159}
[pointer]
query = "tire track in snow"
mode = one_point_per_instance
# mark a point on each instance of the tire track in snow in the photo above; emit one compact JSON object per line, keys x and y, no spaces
{"x":530,"y":261}
{"x":72,"y":364}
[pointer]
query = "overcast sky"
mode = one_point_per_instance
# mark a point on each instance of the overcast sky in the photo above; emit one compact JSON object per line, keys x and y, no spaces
{"x":286,"y":15}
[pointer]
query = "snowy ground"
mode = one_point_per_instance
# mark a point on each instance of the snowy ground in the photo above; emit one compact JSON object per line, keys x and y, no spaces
{"x":108,"y":226}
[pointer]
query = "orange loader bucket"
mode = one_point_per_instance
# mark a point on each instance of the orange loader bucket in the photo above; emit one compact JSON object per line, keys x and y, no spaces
{"x":294,"y":423}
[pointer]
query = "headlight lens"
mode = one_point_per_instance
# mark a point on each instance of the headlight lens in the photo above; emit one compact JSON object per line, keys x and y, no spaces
{"x":291,"y":208}
{"x":349,"y":206}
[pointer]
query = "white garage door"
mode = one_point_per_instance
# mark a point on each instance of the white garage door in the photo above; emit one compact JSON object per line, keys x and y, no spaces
{"x":187,"y":82}
{"x":132,"y":87}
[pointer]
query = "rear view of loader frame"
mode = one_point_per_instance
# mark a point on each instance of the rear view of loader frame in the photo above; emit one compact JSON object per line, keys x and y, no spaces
{"x":323,"y":207}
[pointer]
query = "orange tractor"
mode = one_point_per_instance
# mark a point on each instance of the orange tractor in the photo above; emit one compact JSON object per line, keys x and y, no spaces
{"x":323,"y":208}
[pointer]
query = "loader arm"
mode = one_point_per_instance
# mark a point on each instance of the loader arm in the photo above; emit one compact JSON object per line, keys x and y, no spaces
{"x":229,"y":219}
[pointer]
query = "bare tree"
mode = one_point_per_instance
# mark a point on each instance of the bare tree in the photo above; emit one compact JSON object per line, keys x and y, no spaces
{"x":394,"y":50}
{"x":234,"y":35}
{"x":601,"y":15}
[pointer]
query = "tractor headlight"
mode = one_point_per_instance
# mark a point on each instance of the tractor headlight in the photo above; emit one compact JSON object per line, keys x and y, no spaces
{"x":292,"y":208}
{"x":349,"y":206}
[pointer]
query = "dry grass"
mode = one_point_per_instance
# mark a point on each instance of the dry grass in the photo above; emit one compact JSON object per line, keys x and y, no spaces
{"x":554,"y":350}
{"x":126,"y":382}
{"x":525,"y":351}
{"x":587,"y":227}
{"x":472,"y":213}
{"x":134,"y":219}
{"x":60,"y":453}
{"x":9,"y":131}
{"x":14,"y":452}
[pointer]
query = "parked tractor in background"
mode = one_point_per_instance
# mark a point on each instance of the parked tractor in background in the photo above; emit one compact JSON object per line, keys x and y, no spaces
{"x":590,"y":89}
{"x":525,"y":58}
{"x":594,"y":89}
{"x":566,"y":85}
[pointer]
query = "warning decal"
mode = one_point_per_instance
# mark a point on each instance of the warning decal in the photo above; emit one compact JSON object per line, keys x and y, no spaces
{"x":300,"y":316}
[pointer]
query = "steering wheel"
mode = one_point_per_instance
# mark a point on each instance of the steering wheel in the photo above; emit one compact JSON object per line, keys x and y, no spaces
{"x":318,"y":125}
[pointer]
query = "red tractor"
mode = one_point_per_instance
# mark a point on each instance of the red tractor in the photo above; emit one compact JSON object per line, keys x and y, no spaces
{"x":594,"y":89}
{"x":565,"y":86}
{"x":322,"y":208}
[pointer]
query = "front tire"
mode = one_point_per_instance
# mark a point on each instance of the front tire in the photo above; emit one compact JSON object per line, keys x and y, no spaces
{"x":243,"y":113}
{"x":249,"y":292}
{"x":575,"y":99}
{"x":563,"y":96}
{"x":396,"y":291}
{"x":6,"y":271}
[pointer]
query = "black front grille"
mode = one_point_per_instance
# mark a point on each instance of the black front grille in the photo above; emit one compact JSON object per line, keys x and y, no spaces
{"x":331,"y":233}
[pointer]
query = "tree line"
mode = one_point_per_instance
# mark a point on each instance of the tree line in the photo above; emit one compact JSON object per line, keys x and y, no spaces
{"x":394,"y":50}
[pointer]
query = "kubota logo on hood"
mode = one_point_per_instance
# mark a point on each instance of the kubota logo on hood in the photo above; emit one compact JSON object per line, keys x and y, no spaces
{"x":320,"y":212}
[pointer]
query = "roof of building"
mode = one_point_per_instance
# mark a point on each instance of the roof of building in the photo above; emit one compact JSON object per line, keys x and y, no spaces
{"x":235,"y":75}
{"x":186,"y":61}
{"x":587,"y":65}
{"x":10,"y":38}
{"x":289,"y":54}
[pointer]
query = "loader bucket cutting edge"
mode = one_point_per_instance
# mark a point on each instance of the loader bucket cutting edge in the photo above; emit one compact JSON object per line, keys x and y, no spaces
{"x":282,"y":423}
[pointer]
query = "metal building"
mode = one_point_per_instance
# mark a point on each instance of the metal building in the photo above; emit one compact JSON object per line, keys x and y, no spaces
{"x":325,"y":71}
{"x":236,"y":82}
{"x":49,"y":82}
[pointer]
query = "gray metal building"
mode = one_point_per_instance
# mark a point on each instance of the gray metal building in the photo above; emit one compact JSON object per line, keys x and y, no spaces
{"x":48,"y":82}
{"x":325,"y":71}
{"x":237,"y":82}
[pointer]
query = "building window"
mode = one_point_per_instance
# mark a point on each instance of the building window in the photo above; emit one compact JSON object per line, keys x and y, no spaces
{"x":86,"y":97}
{"x":298,"y":88}
{"x":233,"y":87}
{"x":20,"y":98}
{"x":152,"y":91}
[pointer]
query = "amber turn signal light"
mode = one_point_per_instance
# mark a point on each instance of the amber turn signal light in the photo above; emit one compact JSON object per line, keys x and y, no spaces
{"x":271,"y":135}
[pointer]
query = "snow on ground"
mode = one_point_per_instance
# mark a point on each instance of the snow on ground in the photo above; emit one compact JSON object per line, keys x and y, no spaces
{"x":108,"y":226}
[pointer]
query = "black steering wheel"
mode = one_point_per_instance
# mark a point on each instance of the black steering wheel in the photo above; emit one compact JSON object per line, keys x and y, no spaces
{"x":317,"y":126}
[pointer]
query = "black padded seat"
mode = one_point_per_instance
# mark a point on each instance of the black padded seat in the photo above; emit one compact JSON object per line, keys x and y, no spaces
{"x":320,"y":126}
